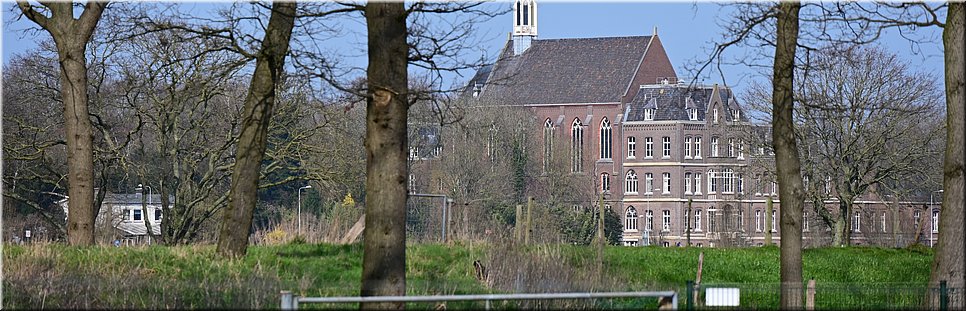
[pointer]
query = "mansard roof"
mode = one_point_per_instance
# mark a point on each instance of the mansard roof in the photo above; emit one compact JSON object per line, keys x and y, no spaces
{"x":671,"y":102}
{"x":562,"y":71}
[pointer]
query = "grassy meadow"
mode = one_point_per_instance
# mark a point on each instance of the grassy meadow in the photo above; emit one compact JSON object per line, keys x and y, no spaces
{"x":158,"y":277}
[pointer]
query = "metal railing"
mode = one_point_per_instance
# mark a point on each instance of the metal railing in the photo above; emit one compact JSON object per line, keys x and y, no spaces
{"x":292,"y":302}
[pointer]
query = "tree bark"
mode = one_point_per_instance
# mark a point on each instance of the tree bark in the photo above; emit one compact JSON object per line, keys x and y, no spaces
{"x":70,"y":37}
{"x":948,"y":260}
{"x":387,"y":109}
{"x":252,"y":139}
{"x":790,"y":188}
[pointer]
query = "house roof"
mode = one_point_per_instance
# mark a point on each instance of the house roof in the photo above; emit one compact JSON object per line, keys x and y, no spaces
{"x":671,"y":102}
{"x":556,"y":71}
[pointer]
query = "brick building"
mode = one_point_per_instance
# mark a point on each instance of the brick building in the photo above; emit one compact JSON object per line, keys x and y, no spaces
{"x":655,"y":143}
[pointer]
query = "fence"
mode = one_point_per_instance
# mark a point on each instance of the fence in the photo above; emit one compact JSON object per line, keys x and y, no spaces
{"x":824,"y":296}
{"x":667,"y":299}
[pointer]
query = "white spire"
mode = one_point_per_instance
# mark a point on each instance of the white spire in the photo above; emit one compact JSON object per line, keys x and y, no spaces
{"x":524,"y":24}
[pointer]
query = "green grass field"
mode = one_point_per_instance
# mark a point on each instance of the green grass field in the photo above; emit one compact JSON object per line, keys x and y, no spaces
{"x":58,"y":276}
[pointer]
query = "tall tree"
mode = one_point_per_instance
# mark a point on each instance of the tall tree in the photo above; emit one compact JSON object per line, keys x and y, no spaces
{"x":71,"y":37}
{"x":253,"y":135}
{"x":384,"y":253}
{"x":787,"y":159}
{"x":948,"y":261}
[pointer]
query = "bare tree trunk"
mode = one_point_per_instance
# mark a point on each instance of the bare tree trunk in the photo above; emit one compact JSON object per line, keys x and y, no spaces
{"x":269,"y":66}
{"x":71,"y":37}
{"x":387,"y":112}
{"x":787,"y":160}
{"x":948,"y":261}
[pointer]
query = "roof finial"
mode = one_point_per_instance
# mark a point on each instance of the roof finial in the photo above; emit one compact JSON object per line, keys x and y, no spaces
{"x":655,"y":30}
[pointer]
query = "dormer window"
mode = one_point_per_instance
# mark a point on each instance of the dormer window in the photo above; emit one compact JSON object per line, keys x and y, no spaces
{"x":649,"y":114}
{"x":693,"y":114}
{"x":477,"y":88}
{"x":736,"y":115}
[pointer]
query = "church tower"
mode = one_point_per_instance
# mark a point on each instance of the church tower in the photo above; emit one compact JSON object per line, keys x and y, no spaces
{"x":524,"y":25}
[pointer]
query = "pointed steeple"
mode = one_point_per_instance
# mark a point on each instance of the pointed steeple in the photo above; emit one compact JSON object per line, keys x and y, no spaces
{"x":524,"y":25}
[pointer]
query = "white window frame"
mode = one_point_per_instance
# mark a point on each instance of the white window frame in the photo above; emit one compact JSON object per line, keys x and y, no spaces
{"x":714,"y":146}
{"x":697,"y":183}
{"x":697,"y":147}
{"x":666,"y":218}
{"x":630,"y":182}
{"x":935,"y":221}
{"x":577,"y":146}
{"x":649,"y":183}
{"x":731,"y":147}
{"x":712,"y":182}
{"x":667,"y":183}
{"x":667,"y":147}
{"x":714,"y":115}
{"x":856,"y":221}
{"x":648,"y":147}
{"x":693,"y":114}
{"x":631,"y":147}
{"x":630,"y":219}
{"x":687,"y":147}
{"x":135,"y":213}
{"x":758,"y":221}
{"x":741,"y":149}
{"x":649,"y":114}
{"x":649,"y":221}
{"x":697,"y":220}
{"x":605,"y":139}
{"x":687,"y":183}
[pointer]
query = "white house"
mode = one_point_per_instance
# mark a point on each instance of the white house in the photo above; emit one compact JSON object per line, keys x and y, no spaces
{"x":127,"y":216}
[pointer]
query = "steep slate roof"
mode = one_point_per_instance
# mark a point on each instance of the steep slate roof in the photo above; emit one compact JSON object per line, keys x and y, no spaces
{"x":557,"y":71}
{"x":673,"y":100}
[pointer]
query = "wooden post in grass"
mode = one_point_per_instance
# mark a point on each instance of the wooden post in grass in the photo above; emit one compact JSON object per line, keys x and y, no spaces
{"x":529,"y":224}
{"x":518,"y":224}
{"x":810,"y":295}
{"x":697,"y":279}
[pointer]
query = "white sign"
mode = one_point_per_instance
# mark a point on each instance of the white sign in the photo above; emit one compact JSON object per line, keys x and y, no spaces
{"x":721,"y":297}
{"x":26,"y":233}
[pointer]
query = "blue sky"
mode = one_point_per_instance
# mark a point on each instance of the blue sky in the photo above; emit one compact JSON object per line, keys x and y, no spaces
{"x":685,"y":28}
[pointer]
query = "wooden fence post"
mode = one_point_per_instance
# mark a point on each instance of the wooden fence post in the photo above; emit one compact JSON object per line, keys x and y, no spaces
{"x":810,"y":295}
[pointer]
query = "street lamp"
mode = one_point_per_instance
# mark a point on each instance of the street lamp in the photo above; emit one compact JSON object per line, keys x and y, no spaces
{"x":932,"y":217}
{"x":300,"y":207}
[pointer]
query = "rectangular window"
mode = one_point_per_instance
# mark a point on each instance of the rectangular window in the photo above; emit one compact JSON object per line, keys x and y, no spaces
{"x":935,"y":221}
{"x":137,"y":215}
{"x":856,"y":222}
{"x":736,"y":115}
{"x":714,"y":146}
{"x":731,"y":147}
{"x":605,"y":182}
{"x":687,"y":147}
{"x":711,"y":224}
{"x":687,"y":183}
{"x":648,"y":147}
{"x":127,"y":215}
{"x":667,"y":147}
{"x":648,"y":183}
{"x":649,"y":221}
{"x":649,"y":114}
{"x":697,"y":183}
{"x":693,"y":114}
{"x":697,"y":220}
{"x":758,"y":225}
{"x":804,"y":220}
{"x":741,"y":149}
{"x":712,"y":182}
{"x":667,"y":183}
{"x":157,"y":214}
{"x":741,"y":183}
{"x":714,"y":115}
{"x":741,"y":220}
{"x":667,"y":220}
{"x":697,"y":147}
{"x":412,"y":183}
{"x":631,"y":147}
